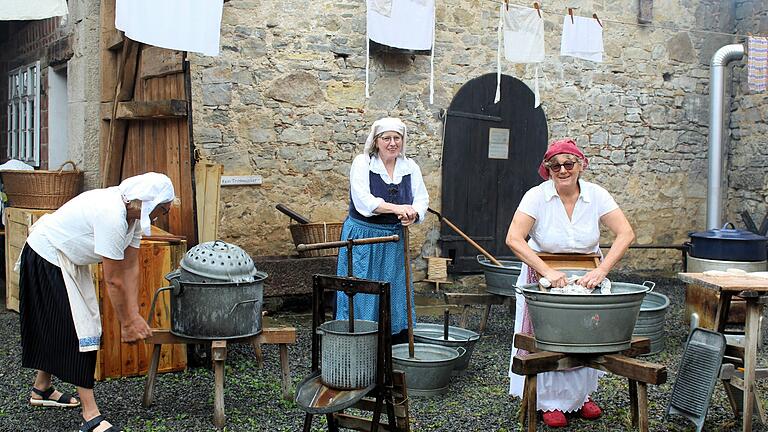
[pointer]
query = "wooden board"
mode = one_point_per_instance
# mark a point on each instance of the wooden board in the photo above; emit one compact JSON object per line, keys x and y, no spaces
{"x":570,"y":261}
{"x":703,"y":302}
{"x":207,"y":196}
{"x":16,"y":231}
{"x":735,"y":283}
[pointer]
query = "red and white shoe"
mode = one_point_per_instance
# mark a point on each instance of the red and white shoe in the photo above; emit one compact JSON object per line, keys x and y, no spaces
{"x":555,"y":419}
{"x":590,"y":410}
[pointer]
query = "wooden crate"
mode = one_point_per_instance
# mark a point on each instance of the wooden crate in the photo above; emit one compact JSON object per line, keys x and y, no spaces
{"x":16,"y":231}
{"x":116,"y":359}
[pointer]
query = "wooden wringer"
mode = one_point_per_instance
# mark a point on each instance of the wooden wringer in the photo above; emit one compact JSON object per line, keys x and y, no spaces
{"x":388,"y":390}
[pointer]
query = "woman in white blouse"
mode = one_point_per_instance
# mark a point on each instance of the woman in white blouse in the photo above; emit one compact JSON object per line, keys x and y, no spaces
{"x":563,"y":215}
{"x":387,"y":193}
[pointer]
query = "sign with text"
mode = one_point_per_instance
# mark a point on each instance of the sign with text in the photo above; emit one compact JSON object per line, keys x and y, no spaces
{"x":498,"y":143}
{"x":241,"y":180}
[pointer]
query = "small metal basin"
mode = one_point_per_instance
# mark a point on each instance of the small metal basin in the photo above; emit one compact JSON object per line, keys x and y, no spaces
{"x":429,"y":371}
{"x":457,"y":337}
{"x":500,"y":280}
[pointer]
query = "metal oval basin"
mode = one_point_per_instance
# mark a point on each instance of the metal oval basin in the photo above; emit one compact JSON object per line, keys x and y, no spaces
{"x":429,"y":371}
{"x":457,"y":337}
{"x":500,"y":280}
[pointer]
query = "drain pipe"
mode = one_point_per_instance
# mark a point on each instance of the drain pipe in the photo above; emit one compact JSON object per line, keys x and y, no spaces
{"x":720,"y":60}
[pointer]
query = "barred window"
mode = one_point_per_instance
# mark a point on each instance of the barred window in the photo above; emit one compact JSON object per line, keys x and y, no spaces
{"x":23,"y":127}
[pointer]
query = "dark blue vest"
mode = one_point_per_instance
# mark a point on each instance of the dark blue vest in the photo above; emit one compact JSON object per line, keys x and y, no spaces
{"x":392,"y":193}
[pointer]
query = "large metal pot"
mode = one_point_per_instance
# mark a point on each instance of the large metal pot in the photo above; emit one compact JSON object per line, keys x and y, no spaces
{"x":729,"y":244}
{"x":216,"y":310}
{"x":585,"y":323}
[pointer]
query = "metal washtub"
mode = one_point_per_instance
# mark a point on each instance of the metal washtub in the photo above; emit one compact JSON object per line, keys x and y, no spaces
{"x":500,"y":280}
{"x":428,"y":372}
{"x":585,"y":323}
{"x":348,"y":359}
{"x":457,"y":337}
{"x":650,"y":321}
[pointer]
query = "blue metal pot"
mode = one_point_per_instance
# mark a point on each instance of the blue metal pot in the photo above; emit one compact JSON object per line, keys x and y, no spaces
{"x":729,"y":244}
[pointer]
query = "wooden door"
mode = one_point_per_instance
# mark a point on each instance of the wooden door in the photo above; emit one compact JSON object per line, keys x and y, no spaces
{"x":146,"y":113}
{"x":481,"y":185}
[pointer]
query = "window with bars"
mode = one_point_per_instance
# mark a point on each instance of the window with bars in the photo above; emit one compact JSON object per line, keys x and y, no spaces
{"x":23,"y":127}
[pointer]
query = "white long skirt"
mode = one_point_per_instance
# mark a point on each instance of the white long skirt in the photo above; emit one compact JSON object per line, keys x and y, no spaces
{"x":560,"y":390}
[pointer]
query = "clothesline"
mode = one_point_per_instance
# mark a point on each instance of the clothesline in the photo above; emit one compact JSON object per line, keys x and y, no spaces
{"x":655,"y":26}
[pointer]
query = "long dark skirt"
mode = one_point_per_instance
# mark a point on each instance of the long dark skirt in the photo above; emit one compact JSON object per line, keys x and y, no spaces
{"x":48,"y":339}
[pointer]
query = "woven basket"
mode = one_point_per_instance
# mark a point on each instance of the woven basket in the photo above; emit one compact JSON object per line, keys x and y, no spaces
{"x":40,"y":189}
{"x":321,"y":232}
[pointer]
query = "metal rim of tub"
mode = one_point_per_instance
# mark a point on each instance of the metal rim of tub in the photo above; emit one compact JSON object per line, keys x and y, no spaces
{"x":431,"y":377}
{"x":433,"y":334}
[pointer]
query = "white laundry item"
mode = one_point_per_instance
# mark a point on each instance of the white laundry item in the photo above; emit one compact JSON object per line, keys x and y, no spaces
{"x":582,"y":38}
{"x":410,"y":25}
{"x":25,"y":10}
{"x":523,"y":34}
{"x":382,"y":7}
{"x":185,"y":25}
{"x":15,"y":165}
{"x":83,"y":303}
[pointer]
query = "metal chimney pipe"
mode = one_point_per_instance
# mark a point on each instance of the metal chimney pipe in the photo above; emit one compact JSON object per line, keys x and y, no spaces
{"x":720,"y":60}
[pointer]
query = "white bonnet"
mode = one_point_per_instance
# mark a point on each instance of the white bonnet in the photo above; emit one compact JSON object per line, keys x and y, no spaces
{"x":380,"y":126}
{"x":152,"y":189}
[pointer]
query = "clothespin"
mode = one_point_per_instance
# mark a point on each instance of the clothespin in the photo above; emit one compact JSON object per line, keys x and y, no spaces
{"x":570,"y":12}
{"x":506,"y":3}
{"x":537,"y":7}
{"x":594,"y":15}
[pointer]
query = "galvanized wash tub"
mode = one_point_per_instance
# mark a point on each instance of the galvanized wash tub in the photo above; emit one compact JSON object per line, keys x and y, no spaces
{"x":500,"y":280}
{"x":650,"y":321}
{"x":429,"y":371}
{"x":348,"y":359}
{"x":457,"y":337}
{"x":585,"y":323}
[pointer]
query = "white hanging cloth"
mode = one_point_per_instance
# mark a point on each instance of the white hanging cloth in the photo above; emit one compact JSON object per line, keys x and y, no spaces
{"x":410,"y":25}
{"x":25,"y":10}
{"x":184,"y":25}
{"x":523,"y":31}
{"x":582,"y":38}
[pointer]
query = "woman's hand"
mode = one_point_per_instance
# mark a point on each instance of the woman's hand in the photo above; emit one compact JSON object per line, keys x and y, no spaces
{"x":406,"y":214}
{"x":134,"y":329}
{"x":557,"y":278}
{"x":592,"y":278}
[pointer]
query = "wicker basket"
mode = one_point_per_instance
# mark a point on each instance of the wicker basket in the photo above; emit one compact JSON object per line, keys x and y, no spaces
{"x":40,"y":189}
{"x":321,"y":232}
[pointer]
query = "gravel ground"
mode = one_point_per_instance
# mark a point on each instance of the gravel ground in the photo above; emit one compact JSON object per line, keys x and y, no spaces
{"x":477,"y":401}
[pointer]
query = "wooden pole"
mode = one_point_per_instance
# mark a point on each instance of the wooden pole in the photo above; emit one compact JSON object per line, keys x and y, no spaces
{"x":466,"y":237}
{"x":408,"y":298}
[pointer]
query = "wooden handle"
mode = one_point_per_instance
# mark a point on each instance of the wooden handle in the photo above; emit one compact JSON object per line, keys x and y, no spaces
{"x":408,"y":290}
{"x":473,"y":243}
{"x":343,"y":243}
{"x":292,"y":214}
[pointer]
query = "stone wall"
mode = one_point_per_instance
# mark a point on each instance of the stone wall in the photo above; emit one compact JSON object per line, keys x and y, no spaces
{"x":747,"y":177}
{"x":285,"y":100}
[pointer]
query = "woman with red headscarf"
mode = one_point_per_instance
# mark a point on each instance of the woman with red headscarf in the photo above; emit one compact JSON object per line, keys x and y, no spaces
{"x":563,"y":215}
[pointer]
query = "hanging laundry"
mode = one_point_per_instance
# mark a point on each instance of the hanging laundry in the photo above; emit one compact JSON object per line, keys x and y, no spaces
{"x":757,"y":65}
{"x":523,"y":31}
{"x":184,"y":25}
{"x":382,"y":7}
{"x":410,"y":25}
{"x":25,"y":10}
{"x":582,"y":38}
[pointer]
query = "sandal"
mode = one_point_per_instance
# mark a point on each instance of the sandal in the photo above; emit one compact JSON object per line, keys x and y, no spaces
{"x":64,"y":401}
{"x":93,"y":423}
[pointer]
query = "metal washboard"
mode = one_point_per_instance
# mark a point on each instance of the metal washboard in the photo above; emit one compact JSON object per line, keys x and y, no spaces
{"x":698,"y":373}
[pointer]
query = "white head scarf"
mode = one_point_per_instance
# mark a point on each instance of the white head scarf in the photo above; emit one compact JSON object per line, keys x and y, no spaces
{"x":380,"y":126}
{"x":152,"y":189}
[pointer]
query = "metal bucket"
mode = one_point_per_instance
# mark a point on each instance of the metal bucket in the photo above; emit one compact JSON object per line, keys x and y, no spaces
{"x":215,"y":310}
{"x":650,"y":321}
{"x":348,"y":359}
{"x":700,"y":265}
{"x":429,"y":371}
{"x":457,"y":337}
{"x":500,"y":280}
{"x":585,"y":323}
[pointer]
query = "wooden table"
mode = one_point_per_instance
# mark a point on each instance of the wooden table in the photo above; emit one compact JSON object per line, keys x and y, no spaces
{"x":279,"y":336}
{"x":639,"y":373}
{"x":754,"y":290}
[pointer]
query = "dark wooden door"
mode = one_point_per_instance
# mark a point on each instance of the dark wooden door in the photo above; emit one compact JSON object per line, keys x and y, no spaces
{"x":481,"y":190}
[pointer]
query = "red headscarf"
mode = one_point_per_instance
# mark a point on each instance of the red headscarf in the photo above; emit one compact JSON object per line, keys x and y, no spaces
{"x":563,"y":146}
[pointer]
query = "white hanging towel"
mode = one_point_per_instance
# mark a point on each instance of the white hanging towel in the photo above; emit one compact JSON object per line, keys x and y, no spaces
{"x":25,"y":10}
{"x":582,"y":38}
{"x":382,"y":7}
{"x":523,"y":31}
{"x":184,"y":25}
{"x":409,"y":25}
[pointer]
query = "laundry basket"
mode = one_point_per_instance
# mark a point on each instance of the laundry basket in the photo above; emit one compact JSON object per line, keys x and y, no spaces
{"x":320,"y":232}
{"x":41,"y":189}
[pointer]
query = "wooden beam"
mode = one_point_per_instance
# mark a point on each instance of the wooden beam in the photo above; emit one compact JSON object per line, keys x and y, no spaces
{"x":113,"y":39}
{"x":640,"y":345}
{"x":158,"y":62}
{"x":544,"y":361}
{"x":479,"y":299}
{"x":145,"y":110}
{"x":634,"y":369}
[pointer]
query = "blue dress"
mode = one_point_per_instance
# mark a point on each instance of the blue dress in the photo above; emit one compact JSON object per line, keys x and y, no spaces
{"x":381,"y":261}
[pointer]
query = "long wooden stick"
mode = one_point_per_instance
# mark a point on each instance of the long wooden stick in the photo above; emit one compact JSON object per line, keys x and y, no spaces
{"x":408,"y":290}
{"x":342,"y":243}
{"x":466,"y":237}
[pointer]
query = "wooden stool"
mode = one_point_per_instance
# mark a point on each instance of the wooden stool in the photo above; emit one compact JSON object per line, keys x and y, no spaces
{"x":639,"y":374}
{"x":279,"y":336}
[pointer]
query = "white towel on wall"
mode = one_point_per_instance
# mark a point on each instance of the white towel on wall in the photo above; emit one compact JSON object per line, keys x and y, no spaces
{"x":25,"y":10}
{"x":582,"y":38}
{"x":410,"y":24}
{"x":523,"y":35}
{"x":184,"y":25}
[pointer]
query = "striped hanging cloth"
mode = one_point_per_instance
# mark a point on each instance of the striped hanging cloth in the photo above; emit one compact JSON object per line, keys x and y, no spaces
{"x":757,"y":66}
